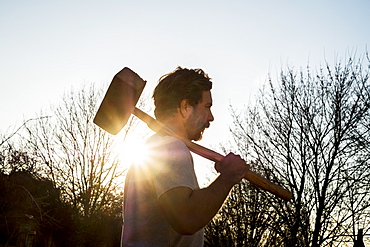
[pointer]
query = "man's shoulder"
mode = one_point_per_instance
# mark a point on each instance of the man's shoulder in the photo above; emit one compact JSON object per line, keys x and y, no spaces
{"x":165,"y":141}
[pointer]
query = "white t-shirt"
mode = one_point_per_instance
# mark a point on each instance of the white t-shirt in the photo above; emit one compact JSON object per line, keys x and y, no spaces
{"x":169,"y":165}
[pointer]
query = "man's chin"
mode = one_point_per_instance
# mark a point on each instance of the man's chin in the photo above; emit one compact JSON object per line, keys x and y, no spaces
{"x":198,"y":137}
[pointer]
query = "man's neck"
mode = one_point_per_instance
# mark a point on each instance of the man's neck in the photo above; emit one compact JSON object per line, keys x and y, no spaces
{"x":175,"y":125}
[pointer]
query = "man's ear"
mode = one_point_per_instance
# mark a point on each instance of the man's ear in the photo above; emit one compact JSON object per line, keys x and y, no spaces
{"x":185,"y":108}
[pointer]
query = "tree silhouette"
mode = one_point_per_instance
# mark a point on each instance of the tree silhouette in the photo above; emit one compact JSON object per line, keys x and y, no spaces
{"x":80,"y":160}
{"x":310,"y":133}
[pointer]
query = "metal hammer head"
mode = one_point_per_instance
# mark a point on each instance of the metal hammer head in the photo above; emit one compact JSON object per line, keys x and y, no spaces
{"x":119,"y":101}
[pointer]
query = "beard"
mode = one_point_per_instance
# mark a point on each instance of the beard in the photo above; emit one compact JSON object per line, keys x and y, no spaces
{"x":197,"y":134}
{"x":195,"y":125}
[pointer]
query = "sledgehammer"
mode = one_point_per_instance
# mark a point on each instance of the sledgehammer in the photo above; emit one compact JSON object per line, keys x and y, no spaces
{"x":120,"y":102}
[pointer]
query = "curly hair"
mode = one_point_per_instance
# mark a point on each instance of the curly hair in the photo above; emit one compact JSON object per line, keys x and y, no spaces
{"x":176,"y":86}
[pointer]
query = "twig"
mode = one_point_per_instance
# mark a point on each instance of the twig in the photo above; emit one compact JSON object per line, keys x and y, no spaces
{"x":24,"y":124}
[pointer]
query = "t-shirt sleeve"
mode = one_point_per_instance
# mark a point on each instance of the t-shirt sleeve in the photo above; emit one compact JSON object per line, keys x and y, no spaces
{"x":173,"y":167}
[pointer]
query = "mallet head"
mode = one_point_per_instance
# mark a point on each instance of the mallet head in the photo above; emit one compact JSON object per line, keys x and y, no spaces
{"x":119,"y":101}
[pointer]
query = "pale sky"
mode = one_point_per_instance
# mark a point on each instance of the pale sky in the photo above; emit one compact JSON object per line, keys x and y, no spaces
{"x":48,"y":46}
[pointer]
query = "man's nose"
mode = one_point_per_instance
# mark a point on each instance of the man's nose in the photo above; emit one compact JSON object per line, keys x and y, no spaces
{"x":210,"y":117}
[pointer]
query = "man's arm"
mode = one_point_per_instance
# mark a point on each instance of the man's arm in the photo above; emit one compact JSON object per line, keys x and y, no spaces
{"x":190,"y":210}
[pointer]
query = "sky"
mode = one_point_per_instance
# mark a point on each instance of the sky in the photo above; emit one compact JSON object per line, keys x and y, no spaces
{"x":48,"y":47}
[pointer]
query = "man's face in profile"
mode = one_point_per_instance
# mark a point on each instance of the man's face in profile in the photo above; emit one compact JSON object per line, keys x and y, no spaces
{"x":200,"y":118}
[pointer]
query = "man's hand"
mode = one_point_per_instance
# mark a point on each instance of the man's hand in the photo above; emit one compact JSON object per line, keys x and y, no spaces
{"x":232,"y":168}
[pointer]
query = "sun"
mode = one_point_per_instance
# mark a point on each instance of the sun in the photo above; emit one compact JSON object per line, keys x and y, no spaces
{"x":130,"y":151}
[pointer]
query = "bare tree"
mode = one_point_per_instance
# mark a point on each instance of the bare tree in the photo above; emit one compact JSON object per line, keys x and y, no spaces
{"x":246,"y":219}
{"x":80,"y":160}
{"x":310,"y":132}
{"x":77,"y":155}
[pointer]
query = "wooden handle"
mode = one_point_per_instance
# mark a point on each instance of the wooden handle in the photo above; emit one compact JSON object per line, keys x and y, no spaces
{"x":251,"y":176}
